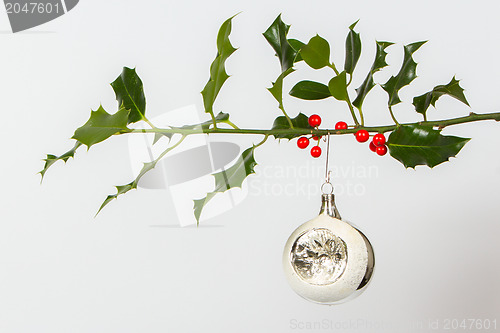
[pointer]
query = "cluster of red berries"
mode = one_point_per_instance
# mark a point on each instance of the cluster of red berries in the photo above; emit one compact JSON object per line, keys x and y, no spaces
{"x":303,"y":142}
{"x":377,"y":144}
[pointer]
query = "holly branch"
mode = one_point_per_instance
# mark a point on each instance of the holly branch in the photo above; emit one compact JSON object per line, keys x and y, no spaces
{"x":412,"y":144}
{"x":295,"y":132}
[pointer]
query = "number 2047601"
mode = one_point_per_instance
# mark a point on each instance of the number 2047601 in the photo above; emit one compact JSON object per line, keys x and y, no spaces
{"x":469,"y":324}
{"x":32,"y":8}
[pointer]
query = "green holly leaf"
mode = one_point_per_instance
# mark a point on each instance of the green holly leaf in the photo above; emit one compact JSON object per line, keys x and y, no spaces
{"x":129,"y":93}
{"x":276,"y":35}
{"x":352,"y":49}
{"x":414,"y":145}
{"x":310,"y":90}
{"x":368,"y":83}
{"x":338,"y":87}
{"x":218,"y":73}
{"x":122,"y":189}
{"x":296,"y":45}
{"x":220,"y":118}
{"x":101,"y":126}
{"x":158,"y":136}
{"x":316,"y":53}
{"x":406,"y":74}
{"x":51,"y":159}
{"x":299,"y":122}
{"x":452,"y":89}
{"x":227,"y":179}
{"x":277,"y":89}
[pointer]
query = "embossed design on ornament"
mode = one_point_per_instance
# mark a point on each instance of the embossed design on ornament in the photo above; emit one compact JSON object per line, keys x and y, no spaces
{"x":319,"y":257}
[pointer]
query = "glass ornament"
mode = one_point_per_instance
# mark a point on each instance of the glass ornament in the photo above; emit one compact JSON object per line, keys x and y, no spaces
{"x":327,"y":260}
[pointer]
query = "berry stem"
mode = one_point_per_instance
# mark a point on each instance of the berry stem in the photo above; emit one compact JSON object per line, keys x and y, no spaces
{"x":332,"y":66}
{"x":230,"y":123}
{"x":287,"y":117}
{"x":392,"y":115}
{"x":354,"y":114}
{"x":350,"y":80}
{"x":214,"y":122}
{"x":262,"y":142}
{"x":361,"y":115}
{"x":146,"y":120}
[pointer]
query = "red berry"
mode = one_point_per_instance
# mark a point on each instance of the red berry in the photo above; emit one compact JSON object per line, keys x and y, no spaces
{"x":315,"y":151}
{"x":362,"y":135}
{"x":314,"y":120}
{"x":303,"y":142}
{"x":373,"y":148}
{"x":341,"y":125}
{"x":381,"y":150}
{"x":379,"y":140}
{"x":316,"y":137}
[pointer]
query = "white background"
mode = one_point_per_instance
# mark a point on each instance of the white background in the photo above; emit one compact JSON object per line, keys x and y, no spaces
{"x":435,"y":232}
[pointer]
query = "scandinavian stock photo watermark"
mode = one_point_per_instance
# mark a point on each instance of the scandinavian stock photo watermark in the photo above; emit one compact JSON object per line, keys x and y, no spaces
{"x":187,"y":172}
{"x":417,"y":325}
{"x":339,"y":325}
{"x":304,"y":180}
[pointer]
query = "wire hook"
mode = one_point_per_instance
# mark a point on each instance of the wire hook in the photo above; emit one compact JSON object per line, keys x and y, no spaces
{"x":327,"y":171}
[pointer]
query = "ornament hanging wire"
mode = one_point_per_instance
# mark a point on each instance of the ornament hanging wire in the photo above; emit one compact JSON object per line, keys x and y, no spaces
{"x":327,"y":187}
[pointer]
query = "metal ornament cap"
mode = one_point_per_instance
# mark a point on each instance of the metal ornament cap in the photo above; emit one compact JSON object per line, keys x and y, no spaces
{"x":327,"y":260}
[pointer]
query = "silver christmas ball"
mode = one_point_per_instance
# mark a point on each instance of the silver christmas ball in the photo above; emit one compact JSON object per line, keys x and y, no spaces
{"x":327,"y":260}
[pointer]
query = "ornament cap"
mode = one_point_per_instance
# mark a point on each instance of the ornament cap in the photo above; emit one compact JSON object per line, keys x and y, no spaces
{"x":328,"y":206}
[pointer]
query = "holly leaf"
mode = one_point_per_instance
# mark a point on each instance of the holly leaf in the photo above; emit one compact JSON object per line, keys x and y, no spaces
{"x":310,"y":90}
{"x":414,"y":145}
{"x":299,"y":122}
{"x":316,"y":53}
{"x":406,"y":74}
{"x":101,"y":126}
{"x":122,"y":189}
{"x":368,"y":83}
{"x":227,"y":179}
{"x":452,"y":89}
{"x":276,"y":35}
{"x":129,"y":93}
{"x":352,"y":49}
{"x":220,"y":118}
{"x":338,"y":87}
{"x":277,"y":89}
{"x":51,"y":159}
{"x":218,"y":73}
{"x":158,"y":136}
{"x":296,"y":45}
